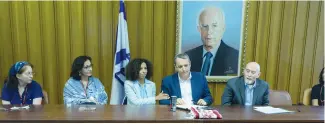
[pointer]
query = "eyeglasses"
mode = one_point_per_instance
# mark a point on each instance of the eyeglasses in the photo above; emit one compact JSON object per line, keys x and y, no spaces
{"x":29,"y":73}
{"x":88,"y":67}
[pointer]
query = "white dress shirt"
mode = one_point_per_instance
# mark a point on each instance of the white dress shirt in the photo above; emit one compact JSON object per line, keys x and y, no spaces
{"x":186,"y":90}
{"x":249,"y":93}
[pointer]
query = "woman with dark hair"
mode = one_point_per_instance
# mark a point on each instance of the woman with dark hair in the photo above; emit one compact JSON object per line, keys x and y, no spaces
{"x":138,"y":89}
{"x":20,"y":88}
{"x":317,"y":92}
{"x":82,"y":87}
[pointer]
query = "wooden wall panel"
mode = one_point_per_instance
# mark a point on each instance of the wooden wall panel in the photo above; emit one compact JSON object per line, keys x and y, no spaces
{"x":262,"y":37}
{"x":92,"y":34}
{"x":285,"y":37}
{"x":34,"y":43}
{"x":253,"y":11}
{"x":212,"y":88}
{"x":158,"y":40}
{"x":63,"y":53}
{"x":170,"y":38}
{"x":299,"y":36}
{"x":50,"y":73}
{"x":274,"y":44}
{"x":106,"y":48}
{"x":6,"y":49}
{"x":133,"y":19}
{"x":18,"y":31}
{"x":219,"y":92}
{"x":307,"y":68}
{"x":286,"y":44}
{"x":77,"y":30}
{"x":146,"y":31}
{"x":319,"y":52}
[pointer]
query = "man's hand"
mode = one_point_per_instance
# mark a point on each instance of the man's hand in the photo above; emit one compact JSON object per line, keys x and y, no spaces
{"x":179,"y":101}
{"x":201,"y":102}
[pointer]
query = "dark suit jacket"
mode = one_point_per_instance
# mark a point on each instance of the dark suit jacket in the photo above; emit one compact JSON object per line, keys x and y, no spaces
{"x":225,"y":61}
{"x":199,"y":85}
{"x":234,"y":93}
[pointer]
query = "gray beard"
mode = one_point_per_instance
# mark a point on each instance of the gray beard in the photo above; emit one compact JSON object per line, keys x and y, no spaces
{"x":249,"y":82}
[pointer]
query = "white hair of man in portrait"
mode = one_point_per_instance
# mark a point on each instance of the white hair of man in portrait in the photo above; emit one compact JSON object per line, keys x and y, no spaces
{"x":211,"y":25}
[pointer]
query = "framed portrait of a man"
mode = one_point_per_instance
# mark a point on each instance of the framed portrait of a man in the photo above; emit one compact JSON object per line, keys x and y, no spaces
{"x":212,"y":34}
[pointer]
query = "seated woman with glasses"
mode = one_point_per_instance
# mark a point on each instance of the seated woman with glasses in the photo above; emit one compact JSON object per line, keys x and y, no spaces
{"x":82,"y":87}
{"x":19,"y":87}
{"x":138,"y":89}
{"x":317,"y":92}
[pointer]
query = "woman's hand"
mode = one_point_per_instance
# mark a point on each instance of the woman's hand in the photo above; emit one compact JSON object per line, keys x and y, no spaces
{"x":162,"y":96}
{"x":92,"y":99}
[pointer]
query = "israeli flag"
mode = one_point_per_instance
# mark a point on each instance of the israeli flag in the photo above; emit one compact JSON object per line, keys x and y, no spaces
{"x":122,"y":58}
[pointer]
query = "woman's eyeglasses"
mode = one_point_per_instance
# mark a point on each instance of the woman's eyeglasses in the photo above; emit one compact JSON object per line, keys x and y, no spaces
{"x":88,"y":67}
{"x":29,"y":73}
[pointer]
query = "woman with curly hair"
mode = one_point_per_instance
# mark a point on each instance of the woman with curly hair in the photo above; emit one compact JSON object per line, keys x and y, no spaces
{"x":138,"y":89}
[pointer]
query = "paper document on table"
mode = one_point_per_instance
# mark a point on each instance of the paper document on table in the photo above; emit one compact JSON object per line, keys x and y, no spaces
{"x":19,"y":108}
{"x":187,"y":107}
{"x":271,"y":110}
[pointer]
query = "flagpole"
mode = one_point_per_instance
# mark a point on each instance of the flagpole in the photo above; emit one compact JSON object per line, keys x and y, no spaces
{"x":121,"y":59}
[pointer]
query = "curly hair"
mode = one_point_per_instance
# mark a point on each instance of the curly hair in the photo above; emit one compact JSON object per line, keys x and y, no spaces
{"x":134,"y":67}
{"x":321,"y":81}
{"x":77,"y":66}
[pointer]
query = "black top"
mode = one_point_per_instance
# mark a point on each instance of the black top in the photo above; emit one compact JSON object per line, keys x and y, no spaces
{"x":317,"y":92}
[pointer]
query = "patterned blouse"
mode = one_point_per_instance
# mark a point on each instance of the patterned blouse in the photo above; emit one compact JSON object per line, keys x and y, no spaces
{"x":74,"y":92}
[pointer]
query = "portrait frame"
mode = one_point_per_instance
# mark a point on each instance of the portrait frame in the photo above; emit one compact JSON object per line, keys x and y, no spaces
{"x":241,"y":45}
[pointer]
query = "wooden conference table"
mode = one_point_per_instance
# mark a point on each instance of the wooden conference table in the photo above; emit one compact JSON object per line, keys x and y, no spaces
{"x":154,"y":113}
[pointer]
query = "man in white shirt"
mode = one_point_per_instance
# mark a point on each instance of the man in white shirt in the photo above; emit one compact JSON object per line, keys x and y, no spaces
{"x":189,"y":87}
